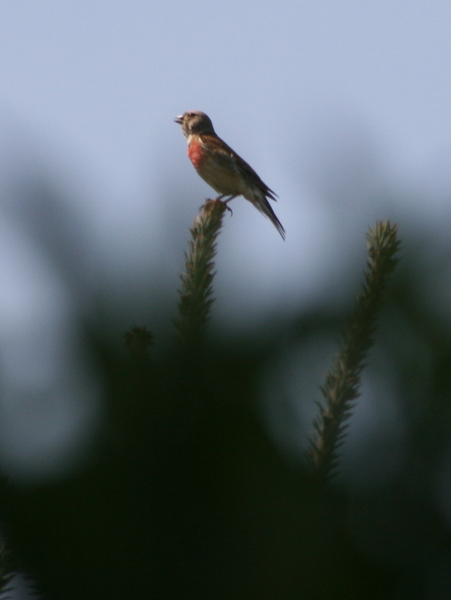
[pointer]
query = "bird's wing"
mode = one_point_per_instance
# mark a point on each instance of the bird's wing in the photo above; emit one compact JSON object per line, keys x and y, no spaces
{"x":231,"y":160}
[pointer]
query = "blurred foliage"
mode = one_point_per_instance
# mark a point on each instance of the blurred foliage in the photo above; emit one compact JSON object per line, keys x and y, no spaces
{"x":188,"y":496}
{"x":343,"y":380}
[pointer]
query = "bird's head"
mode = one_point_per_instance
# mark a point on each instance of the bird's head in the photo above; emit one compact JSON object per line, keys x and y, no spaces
{"x":195,"y":122}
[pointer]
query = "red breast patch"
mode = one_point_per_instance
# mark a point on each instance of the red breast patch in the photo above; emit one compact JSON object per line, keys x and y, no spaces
{"x":196,"y":153}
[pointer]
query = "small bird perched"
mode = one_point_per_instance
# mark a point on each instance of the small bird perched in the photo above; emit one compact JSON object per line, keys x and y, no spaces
{"x":222,"y":168}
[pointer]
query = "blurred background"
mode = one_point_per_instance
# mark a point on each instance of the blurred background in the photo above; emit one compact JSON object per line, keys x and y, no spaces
{"x":186,"y":478}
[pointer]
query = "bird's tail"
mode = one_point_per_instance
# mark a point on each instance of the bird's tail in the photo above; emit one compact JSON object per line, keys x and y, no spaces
{"x":262,"y":204}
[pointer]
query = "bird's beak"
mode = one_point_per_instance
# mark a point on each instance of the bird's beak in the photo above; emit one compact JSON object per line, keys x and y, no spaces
{"x":179,"y":119}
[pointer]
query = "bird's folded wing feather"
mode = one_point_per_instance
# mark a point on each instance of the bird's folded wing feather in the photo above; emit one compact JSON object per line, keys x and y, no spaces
{"x":229,"y":159}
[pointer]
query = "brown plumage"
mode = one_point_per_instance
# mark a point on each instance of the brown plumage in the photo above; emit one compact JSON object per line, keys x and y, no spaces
{"x":222,"y":168}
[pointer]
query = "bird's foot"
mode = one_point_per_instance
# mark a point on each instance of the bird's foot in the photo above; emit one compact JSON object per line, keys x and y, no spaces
{"x":226,"y":202}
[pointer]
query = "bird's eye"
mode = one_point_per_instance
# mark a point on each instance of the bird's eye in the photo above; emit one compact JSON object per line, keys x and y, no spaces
{"x":190,"y":114}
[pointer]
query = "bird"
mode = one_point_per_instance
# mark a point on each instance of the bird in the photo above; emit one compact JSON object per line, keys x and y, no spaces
{"x":221,"y":167}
